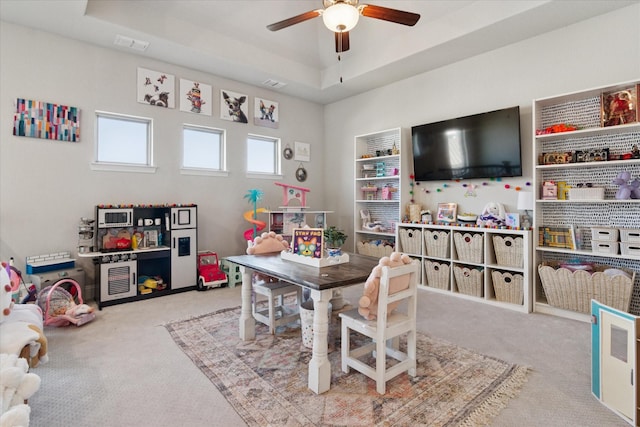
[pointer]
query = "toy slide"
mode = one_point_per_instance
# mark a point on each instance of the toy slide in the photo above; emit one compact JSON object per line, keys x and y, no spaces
{"x":259,"y":225}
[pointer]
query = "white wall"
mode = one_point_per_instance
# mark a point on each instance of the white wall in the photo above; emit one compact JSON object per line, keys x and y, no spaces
{"x":600,"y":51}
{"x":46,"y":186}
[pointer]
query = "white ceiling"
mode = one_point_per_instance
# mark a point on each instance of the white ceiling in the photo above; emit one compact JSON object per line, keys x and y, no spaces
{"x":230,"y":39}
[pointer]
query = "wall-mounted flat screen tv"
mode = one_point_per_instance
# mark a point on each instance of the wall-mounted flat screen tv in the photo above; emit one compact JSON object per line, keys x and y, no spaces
{"x":485,"y":145}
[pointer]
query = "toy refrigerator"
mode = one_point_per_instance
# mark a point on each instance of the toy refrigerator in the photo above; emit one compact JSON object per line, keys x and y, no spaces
{"x":183,"y":223}
{"x":615,"y":343}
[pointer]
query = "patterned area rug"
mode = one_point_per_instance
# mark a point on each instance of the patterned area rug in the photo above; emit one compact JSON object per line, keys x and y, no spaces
{"x":266,"y":380}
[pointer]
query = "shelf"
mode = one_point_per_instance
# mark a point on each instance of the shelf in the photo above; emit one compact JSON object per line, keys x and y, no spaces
{"x":375,"y":233}
{"x":590,"y":164}
{"x":590,"y":201}
{"x":378,"y":178}
{"x":585,"y":253}
{"x":379,"y":158}
{"x":609,"y":130}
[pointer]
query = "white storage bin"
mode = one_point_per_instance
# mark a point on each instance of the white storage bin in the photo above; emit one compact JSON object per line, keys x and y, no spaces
{"x":630,"y":248}
{"x":603,"y":233}
{"x":604,"y":247}
{"x":586,"y":193}
{"x":630,"y":235}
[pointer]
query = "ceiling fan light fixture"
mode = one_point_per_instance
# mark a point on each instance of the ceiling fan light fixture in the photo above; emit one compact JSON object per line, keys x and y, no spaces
{"x":340,"y":17}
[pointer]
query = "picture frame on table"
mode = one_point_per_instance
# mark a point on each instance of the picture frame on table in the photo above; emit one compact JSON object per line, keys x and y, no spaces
{"x":447,"y":212}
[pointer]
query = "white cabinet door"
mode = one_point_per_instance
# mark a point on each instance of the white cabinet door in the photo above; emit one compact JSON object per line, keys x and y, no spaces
{"x":183,"y":258}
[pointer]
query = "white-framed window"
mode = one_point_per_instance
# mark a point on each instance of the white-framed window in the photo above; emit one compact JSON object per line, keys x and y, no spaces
{"x":263,"y":156}
{"x":123,"y":142}
{"x":203,"y":150}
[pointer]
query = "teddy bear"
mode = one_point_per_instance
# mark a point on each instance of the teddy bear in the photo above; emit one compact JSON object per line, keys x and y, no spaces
{"x":493,"y":215}
{"x":267,"y":243}
{"x":368,"y":303}
{"x":17,"y":385}
{"x":21,"y":326}
{"x":628,"y":189}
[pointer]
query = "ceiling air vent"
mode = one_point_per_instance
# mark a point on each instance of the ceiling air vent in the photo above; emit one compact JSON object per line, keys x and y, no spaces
{"x":124,"y":41}
{"x":274,"y":83}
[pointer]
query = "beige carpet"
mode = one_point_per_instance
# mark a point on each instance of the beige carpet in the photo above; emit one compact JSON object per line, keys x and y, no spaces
{"x":266,"y":380}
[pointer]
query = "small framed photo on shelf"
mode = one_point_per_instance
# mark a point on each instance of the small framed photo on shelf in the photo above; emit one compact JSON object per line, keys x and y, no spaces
{"x":447,"y":212}
{"x":512,"y":219}
{"x":560,"y":237}
{"x":620,"y":107}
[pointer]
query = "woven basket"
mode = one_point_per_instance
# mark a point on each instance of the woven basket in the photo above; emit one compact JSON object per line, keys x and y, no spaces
{"x":437,"y":274}
{"x":508,"y":251}
{"x":574,"y":290}
{"x":437,"y":243}
{"x":468,"y":280}
{"x":371,"y":249}
{"x":469,"y":246}
{"x":410,"y":240}
{"x":508,"y":287}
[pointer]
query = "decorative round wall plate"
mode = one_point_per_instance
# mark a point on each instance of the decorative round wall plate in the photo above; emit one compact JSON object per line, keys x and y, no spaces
{"x":301,"y":173}
{"x":287,"y":153}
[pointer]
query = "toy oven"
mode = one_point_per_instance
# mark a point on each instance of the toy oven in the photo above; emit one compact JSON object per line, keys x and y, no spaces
{"x":118,"y":278}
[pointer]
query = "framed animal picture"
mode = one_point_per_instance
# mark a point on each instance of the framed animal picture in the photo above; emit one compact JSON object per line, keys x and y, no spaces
{"x":233,"y":106}
{"x":195,"y":97}
{"x":447,"y":212}
{"x":156,"y":88}
{"x":266,"y":113}
{"x":308,"y":242}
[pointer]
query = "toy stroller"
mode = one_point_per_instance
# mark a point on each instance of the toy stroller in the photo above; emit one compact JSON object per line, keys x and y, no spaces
{"x":59,"y":307}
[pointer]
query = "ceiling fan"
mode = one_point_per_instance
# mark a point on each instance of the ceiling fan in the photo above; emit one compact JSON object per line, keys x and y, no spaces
{"x":340,"y":16}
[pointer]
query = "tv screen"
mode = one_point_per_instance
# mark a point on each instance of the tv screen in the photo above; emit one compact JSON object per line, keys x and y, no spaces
{"x":485,"y":145}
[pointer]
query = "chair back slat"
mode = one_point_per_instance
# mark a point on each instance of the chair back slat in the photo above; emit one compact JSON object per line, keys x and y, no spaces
{"x":385,"y":298}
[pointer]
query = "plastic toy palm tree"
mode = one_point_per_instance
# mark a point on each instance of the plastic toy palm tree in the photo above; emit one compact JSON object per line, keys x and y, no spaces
{"x":254,"y":196}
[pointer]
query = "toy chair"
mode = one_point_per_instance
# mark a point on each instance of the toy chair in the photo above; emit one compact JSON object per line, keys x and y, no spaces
{"x":385,"y":331}
{"x":277,"y":312}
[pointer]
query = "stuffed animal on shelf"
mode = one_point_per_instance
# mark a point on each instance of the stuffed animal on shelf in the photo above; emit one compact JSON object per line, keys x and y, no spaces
{"x":17,"y":385}
{"x":493,"y":215}
{"x":368,"y":303}
{"x":628,"y":189}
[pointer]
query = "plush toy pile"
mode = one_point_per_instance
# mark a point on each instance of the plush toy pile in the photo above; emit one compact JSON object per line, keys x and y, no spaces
{"x":17,"y":385}
{"x":368,"y":304}
{"x":493,"y":215}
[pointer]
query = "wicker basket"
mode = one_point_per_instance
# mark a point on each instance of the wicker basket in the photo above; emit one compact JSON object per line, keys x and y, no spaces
{"x":574,"y":290}
{"x":469,"y":280}
{"x":437,"y":274}
{"x":469,"y":246}
{"x":437,"y":243}
{"x":508,"y":251}
{"x":371,"y":249}
{"x":508,"y":287}
{"x":410,"y":240}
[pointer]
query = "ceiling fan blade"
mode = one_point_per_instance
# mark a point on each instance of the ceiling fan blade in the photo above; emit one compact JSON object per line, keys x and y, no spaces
{"x":295,"y":20}
{"x":391,"y":15}
{"x":342,"y":41}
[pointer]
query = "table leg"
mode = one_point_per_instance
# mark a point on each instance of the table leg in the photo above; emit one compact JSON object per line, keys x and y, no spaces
{"x":319,"y":366}
{"x":247,"y":322}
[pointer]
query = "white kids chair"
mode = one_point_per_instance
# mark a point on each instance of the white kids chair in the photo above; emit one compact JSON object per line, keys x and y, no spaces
{"x":277,"y":312}
{"x":386,"y":329}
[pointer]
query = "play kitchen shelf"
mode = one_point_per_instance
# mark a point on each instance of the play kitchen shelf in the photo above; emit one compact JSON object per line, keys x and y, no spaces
{"x":481,"y":264}
{"x":143,"y":251}
{"x":581,"y":145}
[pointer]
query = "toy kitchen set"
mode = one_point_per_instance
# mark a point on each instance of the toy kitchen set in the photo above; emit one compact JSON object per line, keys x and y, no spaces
{"x":143,"y":251}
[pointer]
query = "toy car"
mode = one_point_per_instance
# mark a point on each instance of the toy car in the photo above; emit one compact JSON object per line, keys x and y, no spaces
{"x":209,"y":273}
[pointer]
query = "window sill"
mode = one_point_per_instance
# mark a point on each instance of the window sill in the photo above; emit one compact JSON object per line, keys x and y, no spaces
{"x":203,"y":172}
{"x":264,"y":175}
{"x":121,"y":167}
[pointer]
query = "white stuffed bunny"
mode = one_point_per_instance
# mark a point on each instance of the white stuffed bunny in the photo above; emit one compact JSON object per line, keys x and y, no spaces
{"x":493,"y":215}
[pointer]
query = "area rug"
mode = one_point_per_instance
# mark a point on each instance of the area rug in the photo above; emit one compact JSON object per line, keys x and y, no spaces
{"x":265,"y":380}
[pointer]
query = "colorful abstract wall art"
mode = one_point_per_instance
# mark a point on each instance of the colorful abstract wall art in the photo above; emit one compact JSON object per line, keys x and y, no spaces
{"x":37,"y":119}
